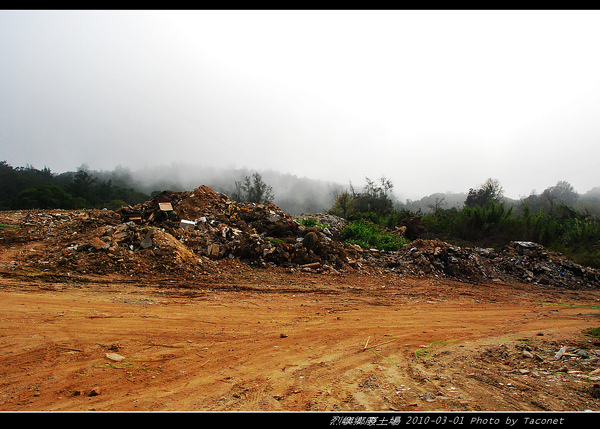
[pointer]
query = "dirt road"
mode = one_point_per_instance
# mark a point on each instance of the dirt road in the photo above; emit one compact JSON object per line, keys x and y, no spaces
{"x":272,"y":340}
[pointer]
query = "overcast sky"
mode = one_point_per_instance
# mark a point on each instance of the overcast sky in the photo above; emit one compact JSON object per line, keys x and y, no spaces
{"x":433,"y":100}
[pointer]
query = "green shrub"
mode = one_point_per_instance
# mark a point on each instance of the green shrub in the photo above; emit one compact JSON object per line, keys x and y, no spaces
{"x":575,"y":234}
{"x":366,"y":234}
{"x":593,"y":332}
{"x":310,"y":222}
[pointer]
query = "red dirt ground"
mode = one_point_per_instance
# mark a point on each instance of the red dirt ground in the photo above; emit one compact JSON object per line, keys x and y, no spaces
{"x":270,"y":340}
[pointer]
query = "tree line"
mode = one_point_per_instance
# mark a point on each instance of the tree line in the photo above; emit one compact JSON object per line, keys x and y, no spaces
{"x":31,"y":188}
{"x":558,"y":218}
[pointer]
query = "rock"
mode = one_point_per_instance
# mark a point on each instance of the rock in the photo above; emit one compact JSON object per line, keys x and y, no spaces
{"x":95,"y":391}
{"x":213,"y":251}
{"x":146,"y":243}
{"x":311,"y":266}
{"x":98,"y":244}
{"x":428,"y":396}
{"x":310,"y":240}
{"x":115,"y":357}
{"x":527,"y":354}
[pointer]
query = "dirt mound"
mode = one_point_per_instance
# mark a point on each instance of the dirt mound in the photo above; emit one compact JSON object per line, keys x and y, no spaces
{"x":172,"y":206}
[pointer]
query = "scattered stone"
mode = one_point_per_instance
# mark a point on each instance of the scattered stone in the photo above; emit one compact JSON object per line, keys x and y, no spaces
{"x":98,"y":244}
{"x":95,"y":391}
{"x":115,"y":357}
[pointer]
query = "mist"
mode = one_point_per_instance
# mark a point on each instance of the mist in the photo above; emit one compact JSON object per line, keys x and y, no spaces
{"x":295,"y":195}
{"x":436,"y":101}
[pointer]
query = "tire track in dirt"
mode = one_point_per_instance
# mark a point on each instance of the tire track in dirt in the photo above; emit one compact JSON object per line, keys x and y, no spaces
{"x":223,"y":349}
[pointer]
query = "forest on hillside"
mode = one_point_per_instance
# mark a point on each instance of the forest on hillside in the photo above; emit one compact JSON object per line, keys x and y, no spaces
{"x":28,"y":187}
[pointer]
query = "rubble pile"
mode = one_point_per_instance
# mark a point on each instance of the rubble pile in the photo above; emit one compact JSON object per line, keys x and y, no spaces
{"x":96,"y":241}
{"x":532,"y":263}
{"x":521,"y":261}
{"x":211,"y":225}
{"x":333,"y":224}
{"x":181,"y":232}
{"x":548,"y":361}
{"x":189,"y":232}
{"x":437,"y":258}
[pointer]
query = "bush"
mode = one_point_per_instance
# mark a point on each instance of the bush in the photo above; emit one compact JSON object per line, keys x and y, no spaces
{"x":310,"y":222}
{"x":46,"y":197}
{"x":369,"y":235}
{"x":575,"y":234}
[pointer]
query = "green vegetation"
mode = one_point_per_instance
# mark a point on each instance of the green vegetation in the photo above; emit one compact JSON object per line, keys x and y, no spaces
{"x":593,"y":307}
{"x":374,"y":199}
{"x":311,"y":222}
{"x":369,"y":235}
{"x":555,"y":223}
{"x":565,"y":230}
{"x":371,"y":214}
{"x":30,"y":188}
{"x":593,"y":332}
{"x":553,"y":219}
{"x":253,"y":189}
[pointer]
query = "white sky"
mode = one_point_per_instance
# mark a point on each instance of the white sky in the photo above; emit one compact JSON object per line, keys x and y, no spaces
{"x":433,"y":100}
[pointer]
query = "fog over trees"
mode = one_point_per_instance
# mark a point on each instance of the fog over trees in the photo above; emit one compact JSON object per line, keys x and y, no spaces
{"x":29,"y":187}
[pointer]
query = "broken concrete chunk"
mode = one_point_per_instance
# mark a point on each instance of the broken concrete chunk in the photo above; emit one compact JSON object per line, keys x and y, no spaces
{"x":213,"y":251}
{"x":98,"y":244}
{"x":146,"y":243}
{"x":120,"y":235}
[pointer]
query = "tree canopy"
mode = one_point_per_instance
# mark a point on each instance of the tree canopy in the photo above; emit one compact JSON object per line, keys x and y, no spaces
{"x":28,"y":188}
{"x":253,"y":189}
{"x":489,"y":192}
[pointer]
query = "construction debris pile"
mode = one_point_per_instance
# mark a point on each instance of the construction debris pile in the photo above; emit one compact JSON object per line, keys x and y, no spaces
{"x":190,"y":232}
{"x":521,"y":261}
{"x":180,"y":232}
